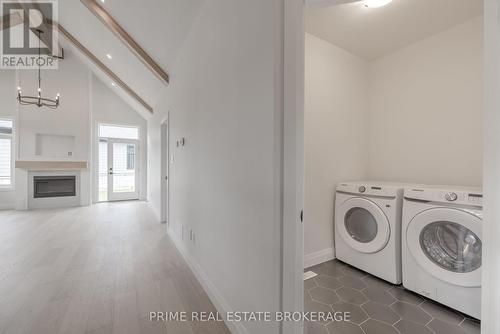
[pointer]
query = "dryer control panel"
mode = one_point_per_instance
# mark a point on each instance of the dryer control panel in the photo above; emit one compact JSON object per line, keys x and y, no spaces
{"x":368,"y":189}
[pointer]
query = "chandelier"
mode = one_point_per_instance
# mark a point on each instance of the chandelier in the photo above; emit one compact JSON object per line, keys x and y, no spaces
{"x":38,"y":100}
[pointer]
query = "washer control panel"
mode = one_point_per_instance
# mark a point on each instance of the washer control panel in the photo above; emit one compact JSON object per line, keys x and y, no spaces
{"x":445,"y":196}
{"x":451,"y":197}
{"x":476,"y":199}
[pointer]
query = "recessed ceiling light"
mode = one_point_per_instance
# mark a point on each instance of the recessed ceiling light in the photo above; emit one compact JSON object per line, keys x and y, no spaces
{"x":376,"y":3}
{"x":109,"y":56}
{"x":113,"y":84}
{"x":103,"y":1}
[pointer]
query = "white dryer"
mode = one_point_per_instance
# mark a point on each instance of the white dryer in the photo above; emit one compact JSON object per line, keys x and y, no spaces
{"x":442,"y":244}
{"x":368,"y":227}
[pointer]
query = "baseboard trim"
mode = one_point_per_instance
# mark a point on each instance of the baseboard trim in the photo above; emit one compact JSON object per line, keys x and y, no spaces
{"x":213,"y":293}
{"x":318,"y":257}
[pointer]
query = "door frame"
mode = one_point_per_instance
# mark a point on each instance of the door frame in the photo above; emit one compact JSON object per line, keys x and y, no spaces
{"x":490,"y":298}
{"x":293,"y":84}
{"x":292,"y":294}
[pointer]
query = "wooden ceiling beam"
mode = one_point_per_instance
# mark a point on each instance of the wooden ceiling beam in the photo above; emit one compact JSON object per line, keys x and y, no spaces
{"x":126,"y":39}
{"x":71,"y":39}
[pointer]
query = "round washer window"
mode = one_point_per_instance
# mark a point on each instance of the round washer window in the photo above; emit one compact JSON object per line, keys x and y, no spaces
{"x":361,"y":225}
{"x":451,"y":246}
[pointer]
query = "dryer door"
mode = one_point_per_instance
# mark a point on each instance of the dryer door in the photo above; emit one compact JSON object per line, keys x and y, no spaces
{"x":446,"y":243}
{"x":362,"y":225}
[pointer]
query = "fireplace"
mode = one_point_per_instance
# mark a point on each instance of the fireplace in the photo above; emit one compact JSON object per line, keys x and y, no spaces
{"x":54,"y":186}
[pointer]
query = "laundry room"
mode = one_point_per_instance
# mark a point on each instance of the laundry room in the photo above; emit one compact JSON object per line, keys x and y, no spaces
{"x":393,"y":142}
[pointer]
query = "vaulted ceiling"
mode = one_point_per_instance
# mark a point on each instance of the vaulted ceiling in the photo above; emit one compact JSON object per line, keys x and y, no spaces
{"x":158,"y":26}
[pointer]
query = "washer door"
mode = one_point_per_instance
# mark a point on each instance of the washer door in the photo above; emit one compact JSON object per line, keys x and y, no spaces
{"x":447,"y":244}
{"x":363,"y":225}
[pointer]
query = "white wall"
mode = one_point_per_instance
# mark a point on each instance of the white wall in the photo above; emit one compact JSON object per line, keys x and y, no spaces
{"x":8,"y":109}
{"x":225,"y":183}
{"x":71,"y":118}
{"x":336,"y":147}
{"x":108,"y":107}
{"x":426,"y":110}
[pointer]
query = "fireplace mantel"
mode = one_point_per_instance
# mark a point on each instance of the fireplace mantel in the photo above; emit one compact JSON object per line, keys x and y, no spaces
{"x":51,"y":165}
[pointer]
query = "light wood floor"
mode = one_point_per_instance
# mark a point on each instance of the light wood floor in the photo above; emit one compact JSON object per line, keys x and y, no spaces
{"x":98,"y":269}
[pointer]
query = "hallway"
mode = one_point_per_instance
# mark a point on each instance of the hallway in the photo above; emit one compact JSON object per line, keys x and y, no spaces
{"x":98,"y":269}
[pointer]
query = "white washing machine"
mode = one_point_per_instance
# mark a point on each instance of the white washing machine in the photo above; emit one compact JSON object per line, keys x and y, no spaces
{"x":368,"y":227}
{"x":442,"y":233}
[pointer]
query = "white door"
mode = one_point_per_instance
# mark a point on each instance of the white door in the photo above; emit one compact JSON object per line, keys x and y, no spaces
{"x":447,"y":243}
{"x":118,"y":170}
{"x":363,"y":225}
{"x":165,"y":162}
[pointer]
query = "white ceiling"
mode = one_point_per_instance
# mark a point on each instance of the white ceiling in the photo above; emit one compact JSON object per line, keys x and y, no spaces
{"x":373,"y":32}
{"x":159,"y":26}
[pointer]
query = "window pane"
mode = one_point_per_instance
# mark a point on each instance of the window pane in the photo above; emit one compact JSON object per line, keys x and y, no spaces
{"x":5,"y":127}
{"x":103,"y":170}
{"x":123,"y":178}
{"x":5,"y":162}
{"x":130,"y":157}
{"x":121,"y":132}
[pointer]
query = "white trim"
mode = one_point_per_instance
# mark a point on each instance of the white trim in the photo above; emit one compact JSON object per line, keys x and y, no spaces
{"x":319,"y":257}
{"x":293,"y":162}
{"x":213,"y":293}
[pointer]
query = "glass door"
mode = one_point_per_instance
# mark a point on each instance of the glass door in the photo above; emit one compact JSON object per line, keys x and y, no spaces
{"x":122,"y":170}
{"x":118,"y":170}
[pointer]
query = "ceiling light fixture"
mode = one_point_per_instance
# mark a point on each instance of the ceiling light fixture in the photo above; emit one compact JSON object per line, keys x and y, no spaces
{"x":376,"y":3}
{"x":113,"y":84}
{"x":38,"y":100}
{"x":109,"y":56}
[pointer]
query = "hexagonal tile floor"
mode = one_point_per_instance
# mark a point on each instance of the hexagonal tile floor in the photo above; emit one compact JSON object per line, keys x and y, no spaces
{"x":375,"y":306}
